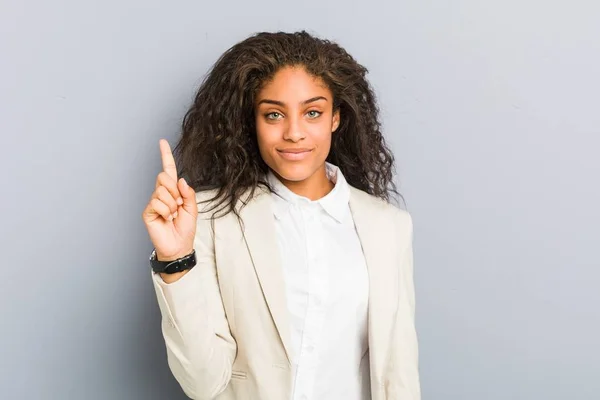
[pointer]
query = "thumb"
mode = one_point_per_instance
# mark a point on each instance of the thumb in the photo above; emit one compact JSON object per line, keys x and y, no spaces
{"x":188,"y":194}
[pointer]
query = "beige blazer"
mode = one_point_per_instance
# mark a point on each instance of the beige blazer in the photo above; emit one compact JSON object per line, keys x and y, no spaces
{"x":225,"y":322}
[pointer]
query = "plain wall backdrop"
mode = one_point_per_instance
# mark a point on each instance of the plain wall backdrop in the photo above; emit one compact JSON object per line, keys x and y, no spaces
{"x":491,"y":108}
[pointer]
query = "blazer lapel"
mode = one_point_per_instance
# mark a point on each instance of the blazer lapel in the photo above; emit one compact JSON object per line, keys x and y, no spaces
{"x":370,"y":227}
{"x":260,"y":235}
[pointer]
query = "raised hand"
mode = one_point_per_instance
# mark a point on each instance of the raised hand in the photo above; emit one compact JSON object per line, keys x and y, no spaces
{"x":171,"y":214}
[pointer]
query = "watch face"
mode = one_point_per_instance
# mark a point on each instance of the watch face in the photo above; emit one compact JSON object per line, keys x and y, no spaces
{"x":157,"y":266}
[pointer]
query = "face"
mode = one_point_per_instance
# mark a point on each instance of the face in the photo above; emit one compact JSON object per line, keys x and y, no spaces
{"x":294,"y":124}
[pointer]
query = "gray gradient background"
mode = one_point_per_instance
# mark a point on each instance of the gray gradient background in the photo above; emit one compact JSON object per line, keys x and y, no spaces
{"x":491,"y":108}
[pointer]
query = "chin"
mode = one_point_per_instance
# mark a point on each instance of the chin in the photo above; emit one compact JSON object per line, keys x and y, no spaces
{"x":296,"y":172}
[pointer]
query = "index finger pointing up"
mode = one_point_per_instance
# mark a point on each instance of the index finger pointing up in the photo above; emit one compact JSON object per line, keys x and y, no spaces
{"x":168,"y":161}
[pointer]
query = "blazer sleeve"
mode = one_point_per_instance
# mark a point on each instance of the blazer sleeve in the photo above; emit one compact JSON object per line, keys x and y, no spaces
{"x":405,"y":382}
{"x":200,"y":348}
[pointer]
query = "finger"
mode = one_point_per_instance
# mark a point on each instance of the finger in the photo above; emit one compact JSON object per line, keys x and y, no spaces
{"x":165,"y":180}
{"x":168,"y":161}
{"x":163,"y":195}
{"x":161,"y":209}
{"x":189,"y":197}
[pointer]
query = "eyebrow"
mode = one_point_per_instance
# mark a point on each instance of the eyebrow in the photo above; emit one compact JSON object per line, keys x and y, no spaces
{"x":282,"y":104}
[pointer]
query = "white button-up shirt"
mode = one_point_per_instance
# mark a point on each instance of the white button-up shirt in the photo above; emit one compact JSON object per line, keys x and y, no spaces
{"x":327,"y":289}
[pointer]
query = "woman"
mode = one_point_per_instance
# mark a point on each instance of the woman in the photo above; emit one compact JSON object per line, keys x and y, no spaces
{"x":280,"y":267}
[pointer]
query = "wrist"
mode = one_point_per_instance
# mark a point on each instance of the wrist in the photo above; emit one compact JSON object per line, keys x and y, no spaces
{"x":181,"y":254}
{"x":173,"y":263}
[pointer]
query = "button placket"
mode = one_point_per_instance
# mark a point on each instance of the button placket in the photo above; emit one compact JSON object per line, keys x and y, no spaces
{"x":309,"y":355}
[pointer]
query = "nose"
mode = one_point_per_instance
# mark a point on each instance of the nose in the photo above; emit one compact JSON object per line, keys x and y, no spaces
{"x":293,"y":131}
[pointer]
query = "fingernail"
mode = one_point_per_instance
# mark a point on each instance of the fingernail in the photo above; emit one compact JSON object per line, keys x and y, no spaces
{"x":179,"y":201}
{"x":170,"y":218}
{"x":184,"y":182}
{"x":175,"y":214}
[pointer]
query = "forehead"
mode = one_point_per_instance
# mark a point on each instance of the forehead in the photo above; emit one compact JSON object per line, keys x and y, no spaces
{"x":293,"y":83}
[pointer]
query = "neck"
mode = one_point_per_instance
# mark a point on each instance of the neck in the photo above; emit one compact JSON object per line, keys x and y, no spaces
{"x":314,"y":187}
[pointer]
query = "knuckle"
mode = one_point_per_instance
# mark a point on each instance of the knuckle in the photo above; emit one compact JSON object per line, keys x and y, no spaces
{"x":161,"y":179}
{"x":159,"y":206}
{"x":164,"y":194}
{"x":155,"y":203}
{"x":169,"y":164}
{"x":166,"y":197}
{"x":161,"y":190}
{"x":165,"y":180}
{"x":173,"y":190}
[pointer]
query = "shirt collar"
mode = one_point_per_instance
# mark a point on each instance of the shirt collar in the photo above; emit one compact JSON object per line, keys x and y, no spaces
{"x":335,"y":203}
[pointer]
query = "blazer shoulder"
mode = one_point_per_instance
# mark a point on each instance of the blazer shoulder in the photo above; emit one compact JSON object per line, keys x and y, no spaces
{"x":386,"y":209}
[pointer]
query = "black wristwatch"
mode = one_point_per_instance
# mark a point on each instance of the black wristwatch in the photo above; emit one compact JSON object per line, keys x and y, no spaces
{"x":171,"y":267}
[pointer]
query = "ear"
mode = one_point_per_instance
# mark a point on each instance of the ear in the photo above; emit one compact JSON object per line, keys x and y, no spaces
{"x":335,"y":120}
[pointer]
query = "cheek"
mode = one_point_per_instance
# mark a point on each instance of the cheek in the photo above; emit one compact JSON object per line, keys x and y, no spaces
{"x":321,"y":136}
{"x":266,"y":136}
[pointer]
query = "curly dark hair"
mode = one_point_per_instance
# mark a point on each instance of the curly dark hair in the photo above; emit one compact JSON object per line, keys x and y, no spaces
{"x":218,"y":148}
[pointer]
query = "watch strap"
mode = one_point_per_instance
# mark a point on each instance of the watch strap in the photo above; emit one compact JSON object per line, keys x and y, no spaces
{"x":174,"y":266}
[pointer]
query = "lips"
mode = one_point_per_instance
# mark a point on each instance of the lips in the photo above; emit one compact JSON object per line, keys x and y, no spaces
{"x":301,"y":150}
{"x":294,"y":154}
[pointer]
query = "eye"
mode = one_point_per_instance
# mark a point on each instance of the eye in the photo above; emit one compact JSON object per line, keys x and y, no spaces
{"x":313,"y":113}
{"x":273,"y":115}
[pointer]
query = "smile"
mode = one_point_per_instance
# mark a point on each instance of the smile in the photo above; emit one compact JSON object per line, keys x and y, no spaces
{"x":294,"y":154}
